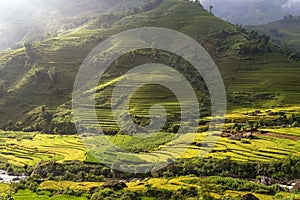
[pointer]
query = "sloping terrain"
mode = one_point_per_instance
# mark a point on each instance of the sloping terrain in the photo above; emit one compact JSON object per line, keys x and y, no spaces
{"x":286,"y":30}
{"x":38,"y":20}
{"x":38,"y":79}
{"x":252,"y":12}
{"x":254,"y":155}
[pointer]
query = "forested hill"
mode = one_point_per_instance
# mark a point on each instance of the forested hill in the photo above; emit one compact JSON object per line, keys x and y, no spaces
{"x":37,"y":79}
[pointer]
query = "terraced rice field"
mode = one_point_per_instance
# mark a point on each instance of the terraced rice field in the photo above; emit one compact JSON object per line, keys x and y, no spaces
{"x":284,"y":131}
{"x":143,"y":97}
{"x":29,"y":195}
{"x":159,"y":148}
{"x":174,"y":184}
{"x":63,"y":185}
{"x":263,"y":148}
{"x":41,"y":147}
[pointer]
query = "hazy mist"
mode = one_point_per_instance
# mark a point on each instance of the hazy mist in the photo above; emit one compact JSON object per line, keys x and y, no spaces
{"x":23,"y":20}
{"x":249,"y":12}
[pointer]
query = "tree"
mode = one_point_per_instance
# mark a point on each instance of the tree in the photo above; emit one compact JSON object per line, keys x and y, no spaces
{"x":210,"y":8}
{"x":28,"y":50}
{"x":28,"y":45}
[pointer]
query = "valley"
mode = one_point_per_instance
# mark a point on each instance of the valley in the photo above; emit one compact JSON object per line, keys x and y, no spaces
{"x":254,"y":154}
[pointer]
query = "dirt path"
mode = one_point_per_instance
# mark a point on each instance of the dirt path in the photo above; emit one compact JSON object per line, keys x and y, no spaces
{"x":278,"y":135}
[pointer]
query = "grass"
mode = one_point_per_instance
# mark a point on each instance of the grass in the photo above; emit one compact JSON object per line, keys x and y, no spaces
{"x":4,"y":188}
{"x":289,"y":32}
{"x":220,"y":187}
{"x":61,"y":148}
{"x":29,"y":195}
{"x":286,"y":196}
{"x":63,"y":185}
{"x":269,"y":74}
{"x":217,"y":187}
{"x":169,"y":184}
{"x":260,"y":74}
{"x":235,"y":194}
{"x":262,"y":149}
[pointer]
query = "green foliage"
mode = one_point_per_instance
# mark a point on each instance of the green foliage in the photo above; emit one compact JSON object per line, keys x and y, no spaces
{"x":17,"y":135}
{"x":136,"y":144}
{"x":244,"y":185}
{"x":284,"y":32}
{"x":30,"y":51}
{"x":256,"y":44}
{"x":45,"y":89}
{"x":211,"y":167}
{"x":290,"y":53}
{"x":29,"y":195}
{"x":281,"y":121}
{"x":60,"y":50}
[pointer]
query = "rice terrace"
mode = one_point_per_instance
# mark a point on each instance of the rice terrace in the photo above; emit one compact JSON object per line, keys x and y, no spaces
{"x":110,"y":99}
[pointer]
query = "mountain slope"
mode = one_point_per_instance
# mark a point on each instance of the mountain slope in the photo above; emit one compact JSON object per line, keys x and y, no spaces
{"x":42,"y":74}
{"x":253,"y":12}
{"x":36,"y":20}
{"x":286,"y":30}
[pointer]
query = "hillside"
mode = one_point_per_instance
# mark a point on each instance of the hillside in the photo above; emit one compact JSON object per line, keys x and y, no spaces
{"x":253,"y":12}
{"x":286,"y":30}
{"x":155,"y":145}
{"x":41,"y":75}
{"x":38,"y":20}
